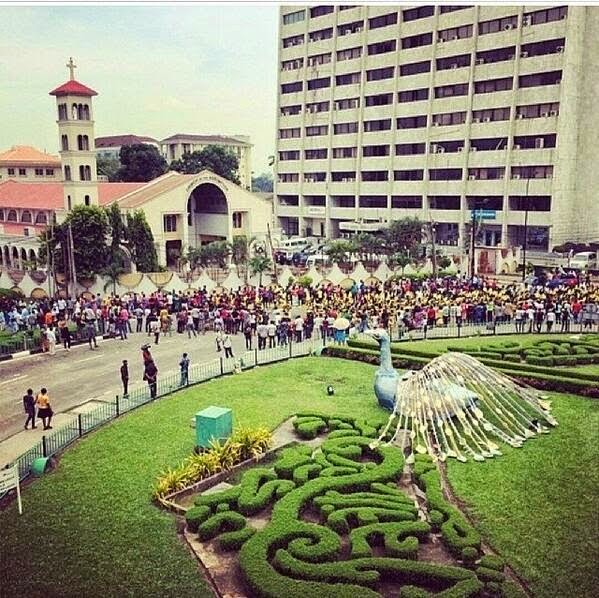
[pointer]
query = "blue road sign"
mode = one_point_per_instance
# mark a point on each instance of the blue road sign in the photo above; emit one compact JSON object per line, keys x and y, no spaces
{"x":483,"y":214}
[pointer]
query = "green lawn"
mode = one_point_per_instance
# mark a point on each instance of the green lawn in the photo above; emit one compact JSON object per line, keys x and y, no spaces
{"x":90,"y":530}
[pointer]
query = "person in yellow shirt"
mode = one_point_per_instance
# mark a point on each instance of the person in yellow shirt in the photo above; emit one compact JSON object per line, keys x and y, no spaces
{"x":44,"y":411}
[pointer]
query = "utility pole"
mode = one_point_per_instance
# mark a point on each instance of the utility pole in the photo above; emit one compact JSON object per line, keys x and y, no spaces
{"x":72,"y":261}
{"x":272,"y":252}
{"x":524,"y":245}
{"x":472,"y":234}
{"x":433,"y":234}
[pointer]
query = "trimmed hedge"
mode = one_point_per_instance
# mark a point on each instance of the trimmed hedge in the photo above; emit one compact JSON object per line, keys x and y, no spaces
{"x":256,"y":495}
{"x":229,"y":521}
{"x":195,"y":516}
{"x":400,"y":539}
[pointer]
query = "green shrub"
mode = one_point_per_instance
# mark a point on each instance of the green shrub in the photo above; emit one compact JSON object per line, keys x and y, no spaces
{"x":469,"y":556}
{"x":492,"y":561}
{"x":486,"y":574}
{"x":513,"y":358}
{"x":235,"y":540}
{"x":534,"y":360}
{"x":228,"y":521}
{"x":195,"y":516}
{"x":290,"y":459}
{"x":436,"y":518}
{"x":256,"y":495}
{"x":309,"y":427}
{"x":342,"y":520}
{"x":400,"y":539}
{"x":580,"y":350}
{"x":306,"y":472}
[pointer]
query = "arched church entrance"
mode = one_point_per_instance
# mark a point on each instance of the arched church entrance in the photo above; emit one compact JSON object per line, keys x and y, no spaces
{"x":207,"y":215}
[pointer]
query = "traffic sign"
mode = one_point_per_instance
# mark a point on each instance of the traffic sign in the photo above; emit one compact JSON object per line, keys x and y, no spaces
{"x":483,"y":214}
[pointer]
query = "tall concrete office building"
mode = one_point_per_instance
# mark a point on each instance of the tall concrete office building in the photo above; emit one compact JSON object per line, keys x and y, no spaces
{"x":433,"y":111}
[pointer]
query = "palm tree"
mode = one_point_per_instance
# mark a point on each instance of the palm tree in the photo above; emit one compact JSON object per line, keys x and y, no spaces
{"x":258,"y":265}
{"x":240,"y":252}
{"x":339,"y":251}
{"x":112,"y":273}
{"x":399,"y":259}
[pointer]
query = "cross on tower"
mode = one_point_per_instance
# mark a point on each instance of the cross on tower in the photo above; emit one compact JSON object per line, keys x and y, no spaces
{"x":71,"y":66}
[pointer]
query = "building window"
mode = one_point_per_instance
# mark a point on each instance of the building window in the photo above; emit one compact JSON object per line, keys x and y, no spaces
{"x":373,"y":201}
{"x":347,"y":103}
{"x":412,"y":95}
{"x":349,"y":28}
{"x":288,"y":177}
{"x":289,"y":155}
{"x":493,"y":85}
{"x":445,"y":8}
{"x":315,"y":177}
{"x":67,"y":173}
{"x":380,"y":74}
{"x":345,"y":152}
{"x":445,"y":174}
{"x":411,"y":122}
{"x":317,"y":130}
{"x":294,"y":40}
{"x":49,"y":171}
{"x":11,"y":216}
{"x":85,"y":173}
{"x":547,"y":15}
{"x":314,"y":107}
{"x":451,"y":147}
{"x":343,"y":201}
{"x":532,"y":172}
{"x":444,"y":202}
{"x":496,"y":55}
{"x":320,"y":11}
{"x":491,"y":115}
{"x":22,"y":172}
{"x":449,"y":118}
{"x":292,"y":65}
{"x":82,"y":142}
{"x":371,"y":176}
{"x":41,"y":218}
{"x":381,"y":99}
{"x":26,"y":216}
{"x":69,"y":203}
{"x":496,"y":25}
{"x":493,"y":202}
{"x":369,"y":151}
{"x":11,"y":172}
{"x":415,"y":68}
{"x":382,"y":21}
{"x":293,"y":87}
{"x":62,"y":112}
{"x":492,"y":144}
{"x":417,"y":13}
{"x":321,"y":34}
{"x":292,"y":133}
{"x":453,"y":62}
{"x":169,"y":223}
{"x":449,"y":91}
{"x":315,"y":154}
{"x":382,"y":47}
{"x":410,"y":149}
{"x":486,"y":174}
{"x":532,"y":203}
{"x":294,"y":17}
{"x":291,"y":110}
{"x":538,"y":110}
{"x":39,"y":172}
{"x":347,"y":176}
{"x":345,"y":128}
{"x":454,"y":33}
{"x":1,"y":214}
{"x":86,"y":200}
{"x":348,"y":79}
{"x":315,"y":200}
{"x":319,"y":59}
{"x":237,"y":219}
{"x":416,"y":41}
{"x":408,"y":175}
{"x":535,"y":141}
{"x":399,"y":202}
{"x":544,"y":48}
{"x":539,"y":79}
{"x":288,"y":200}
{"x":319,"y":83}
{"x":349,"y":54}
{"x":64,"y":142}
{"x":383,"y":124}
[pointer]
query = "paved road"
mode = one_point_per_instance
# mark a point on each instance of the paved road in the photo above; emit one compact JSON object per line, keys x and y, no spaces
{"x":82,"y":374}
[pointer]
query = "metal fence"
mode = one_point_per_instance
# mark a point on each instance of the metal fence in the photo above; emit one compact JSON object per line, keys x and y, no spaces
{"x":60,"y":437}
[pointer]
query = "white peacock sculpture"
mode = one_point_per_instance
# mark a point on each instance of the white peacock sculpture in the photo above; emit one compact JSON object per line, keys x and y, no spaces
{"x":457,"y":407}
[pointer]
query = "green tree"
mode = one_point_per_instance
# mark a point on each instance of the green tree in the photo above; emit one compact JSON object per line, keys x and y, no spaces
{"x":400,"y":260}
{"x":89,"y":228}
{"x":140,"y":163}
{"x":118,"y":229}
{"x":263,"y":183}
{"x":141,"y":242}
{"x":108,"y":167}
{"x":216,"y":158}
{"x":339,"y":251}
{"x":403,"y":235}
{"x":240,"y":250}
{"x":260,"y":264}
{"x":112,"y":272}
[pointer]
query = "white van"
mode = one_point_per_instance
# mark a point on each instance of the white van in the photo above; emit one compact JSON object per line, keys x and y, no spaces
{"x":318,"y":259}
{"x":291,"y":246}
{"x":585,"y":260}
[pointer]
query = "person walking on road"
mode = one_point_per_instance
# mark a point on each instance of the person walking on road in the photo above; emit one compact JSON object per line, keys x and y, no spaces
{"x":29,"y":406}
{"x":51,"y":336}
{"x":44,"y":411}
{"x":151,"y":377}
{"x":155,"y":330}
{"x":65,"y":333}
{"x":227,"y":346}
{"x":184,"y":367}
{"x":125,"y":377}
{"x":190,"y":326}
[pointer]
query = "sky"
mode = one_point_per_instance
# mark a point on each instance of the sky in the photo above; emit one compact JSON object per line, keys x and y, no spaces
{"x":158,"y":70}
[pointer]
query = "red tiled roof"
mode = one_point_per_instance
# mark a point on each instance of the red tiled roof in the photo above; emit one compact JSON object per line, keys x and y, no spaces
{"x":120,"y":140}
{"x":49,"y":196}
{"x":27,"y":154}
{"x":184,"y":137}
{"x":73,"y":88}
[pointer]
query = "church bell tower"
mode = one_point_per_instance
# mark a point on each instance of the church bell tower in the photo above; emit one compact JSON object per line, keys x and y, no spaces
{"x":76,"y":140}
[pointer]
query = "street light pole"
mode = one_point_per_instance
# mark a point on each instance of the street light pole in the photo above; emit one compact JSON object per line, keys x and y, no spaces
{"x":524,"y":245}
{"x":472,"y":242}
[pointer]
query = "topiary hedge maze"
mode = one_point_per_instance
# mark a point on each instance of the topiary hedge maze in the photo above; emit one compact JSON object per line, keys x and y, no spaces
{"x":340,"y":524}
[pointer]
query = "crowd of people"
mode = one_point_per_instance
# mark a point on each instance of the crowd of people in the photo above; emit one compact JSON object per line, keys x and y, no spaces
{"x":274,"y":315}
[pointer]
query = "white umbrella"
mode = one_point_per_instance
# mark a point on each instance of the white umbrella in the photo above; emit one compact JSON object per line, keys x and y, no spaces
{"x":341,"y":324}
